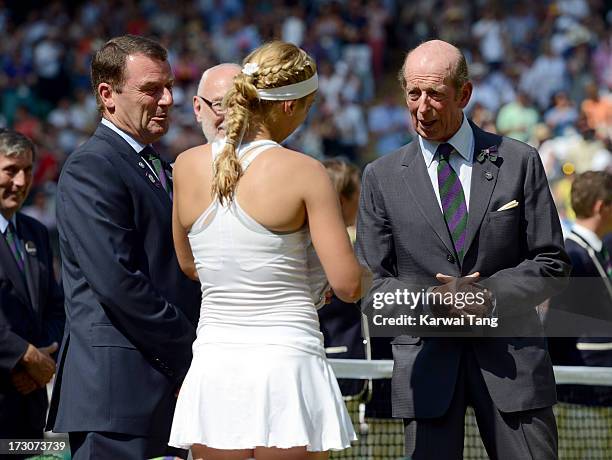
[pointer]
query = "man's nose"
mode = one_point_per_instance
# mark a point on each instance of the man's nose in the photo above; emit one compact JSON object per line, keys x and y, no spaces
{"x":167,"y":98}
{"x":424,"y":104}
{"x":20,"y":179}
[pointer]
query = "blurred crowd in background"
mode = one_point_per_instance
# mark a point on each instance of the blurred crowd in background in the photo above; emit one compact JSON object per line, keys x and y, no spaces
{"x":542,"y":72}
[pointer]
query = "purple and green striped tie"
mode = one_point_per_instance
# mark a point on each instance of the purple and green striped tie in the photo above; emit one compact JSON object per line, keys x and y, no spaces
{"x":11,"y":239}
{"x":452,"y":198}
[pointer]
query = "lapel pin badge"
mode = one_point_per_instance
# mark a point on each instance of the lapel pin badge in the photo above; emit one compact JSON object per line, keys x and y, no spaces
{"x":141,"y":164}
{"x":30,"y":248}
{"x":489,"y":175}
{"x":487,"y":154}
{"x":493,"y":153}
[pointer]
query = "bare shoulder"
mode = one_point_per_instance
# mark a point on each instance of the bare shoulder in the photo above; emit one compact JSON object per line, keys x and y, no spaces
{"x":197,"y":154}
{"x":297,"y":164}
{"x":193,"y":160}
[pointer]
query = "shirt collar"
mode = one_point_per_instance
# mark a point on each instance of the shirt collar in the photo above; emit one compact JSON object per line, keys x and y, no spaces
{"x":589,"y":236}
{"x":137,"y":146}
{"x":4,"y":223}
{"x":462,"y":141}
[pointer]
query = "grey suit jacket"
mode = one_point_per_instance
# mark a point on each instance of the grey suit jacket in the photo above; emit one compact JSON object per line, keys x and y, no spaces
{"x":402,"y":237}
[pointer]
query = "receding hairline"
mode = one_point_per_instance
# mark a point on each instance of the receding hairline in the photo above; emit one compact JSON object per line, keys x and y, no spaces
{"x":438,"y":46}
{"x":218,"y":67}
{"x":458,"y":71}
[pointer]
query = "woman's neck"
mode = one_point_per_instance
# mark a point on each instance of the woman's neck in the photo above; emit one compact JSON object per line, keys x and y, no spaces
{"x":259,"y":131}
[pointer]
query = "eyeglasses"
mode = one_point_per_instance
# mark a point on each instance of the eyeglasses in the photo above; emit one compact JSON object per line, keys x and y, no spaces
{"x":215,"y":106}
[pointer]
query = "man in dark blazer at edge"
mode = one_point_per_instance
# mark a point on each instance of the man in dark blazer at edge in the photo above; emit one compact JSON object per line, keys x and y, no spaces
{"x":131,"y":312}
{"x":579,"y":321}
{"x":31,"y":302}
{"x":512,"y":240}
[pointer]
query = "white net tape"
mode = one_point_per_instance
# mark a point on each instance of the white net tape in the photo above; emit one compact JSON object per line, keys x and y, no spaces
{"x":382,"y":369}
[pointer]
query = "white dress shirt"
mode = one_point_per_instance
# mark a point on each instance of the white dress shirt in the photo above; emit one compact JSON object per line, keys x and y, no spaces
{"x":589,"y":236}
{"x":463,"y":142}
{"x":4,"y":223}
{"x":137,"y":146}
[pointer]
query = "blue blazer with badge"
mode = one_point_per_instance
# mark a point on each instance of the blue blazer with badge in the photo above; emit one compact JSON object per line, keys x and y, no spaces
{"x":131,"y":312}
{"x":31,"y":311}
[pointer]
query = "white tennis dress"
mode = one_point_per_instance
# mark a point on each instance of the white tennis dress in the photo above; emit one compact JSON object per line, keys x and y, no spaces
{"x":259,"y":375}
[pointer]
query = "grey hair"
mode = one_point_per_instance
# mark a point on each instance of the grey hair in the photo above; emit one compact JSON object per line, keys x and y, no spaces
{"x":14,"y":144}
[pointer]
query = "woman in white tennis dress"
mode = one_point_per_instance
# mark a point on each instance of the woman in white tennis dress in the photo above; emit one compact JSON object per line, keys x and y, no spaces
{"x":245,"y":213}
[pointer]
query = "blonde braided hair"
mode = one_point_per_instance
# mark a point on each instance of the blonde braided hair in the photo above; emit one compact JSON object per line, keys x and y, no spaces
{"x":280,"y":64}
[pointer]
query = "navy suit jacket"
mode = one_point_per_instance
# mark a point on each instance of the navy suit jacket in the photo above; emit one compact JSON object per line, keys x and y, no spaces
{"x":31,"y":311}
{"x":584,"y":309}
{"x":582,"y":314}
{"x":131,"y":312}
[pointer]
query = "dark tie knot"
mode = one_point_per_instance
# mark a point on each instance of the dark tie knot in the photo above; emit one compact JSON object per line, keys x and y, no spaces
{"x":149,"y":153}
{"x":444,"y":151}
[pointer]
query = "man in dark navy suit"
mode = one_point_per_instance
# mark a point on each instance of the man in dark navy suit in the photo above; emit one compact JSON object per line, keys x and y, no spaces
{"x":31,"y":303}
{"x":131,"y":312}
{"x":584,"y":310}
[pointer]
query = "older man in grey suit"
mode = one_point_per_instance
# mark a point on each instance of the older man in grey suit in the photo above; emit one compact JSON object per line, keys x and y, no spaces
{"x":460,"y":210}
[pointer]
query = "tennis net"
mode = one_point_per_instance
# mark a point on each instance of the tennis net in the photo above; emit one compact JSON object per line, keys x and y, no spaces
{"x":585,"y":432}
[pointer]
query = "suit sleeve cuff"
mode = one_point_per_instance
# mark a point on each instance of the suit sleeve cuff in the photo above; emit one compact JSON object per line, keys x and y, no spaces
{"x":14,"y":349}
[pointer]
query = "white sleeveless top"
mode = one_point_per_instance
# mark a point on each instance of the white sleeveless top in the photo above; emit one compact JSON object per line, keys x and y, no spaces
{"x":255,"y":282}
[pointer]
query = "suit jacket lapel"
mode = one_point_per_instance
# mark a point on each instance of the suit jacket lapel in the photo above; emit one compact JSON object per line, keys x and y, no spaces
{"x":134,"y":159}
{"x":419,"y":185}
{"x":484,"y":178}
{"x":168,"y":168}
{"x":10,"y":267}
{"x":32,"y":271}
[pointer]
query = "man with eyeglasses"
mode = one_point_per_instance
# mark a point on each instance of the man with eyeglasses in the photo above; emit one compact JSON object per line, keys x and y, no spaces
{"x":207,"y":103}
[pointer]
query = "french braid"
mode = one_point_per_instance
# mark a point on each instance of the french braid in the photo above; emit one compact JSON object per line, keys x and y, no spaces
{"x":280,"y":64}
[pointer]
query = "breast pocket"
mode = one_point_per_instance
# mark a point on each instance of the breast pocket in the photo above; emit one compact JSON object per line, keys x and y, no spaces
{"x":503,"y":228}
{"x":505,"y":214}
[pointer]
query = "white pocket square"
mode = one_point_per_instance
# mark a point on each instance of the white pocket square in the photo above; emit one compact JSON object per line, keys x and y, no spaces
{"x":509,"y":205}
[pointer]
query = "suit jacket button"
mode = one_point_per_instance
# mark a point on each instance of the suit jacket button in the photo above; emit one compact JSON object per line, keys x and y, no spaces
{"x":450,"y":258}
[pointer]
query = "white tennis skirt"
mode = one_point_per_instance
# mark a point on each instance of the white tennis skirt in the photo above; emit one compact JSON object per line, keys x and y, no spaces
{"x":242,"y":396}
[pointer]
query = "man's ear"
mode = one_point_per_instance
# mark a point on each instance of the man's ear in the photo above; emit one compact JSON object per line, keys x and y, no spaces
{"x":597,"y":207}
{"x":465,"y":94}
{"x":197,"y":108}
{"x":106,"y":93}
